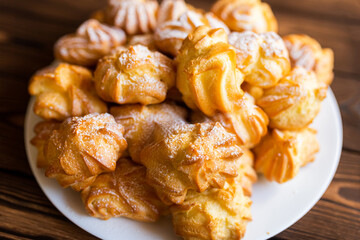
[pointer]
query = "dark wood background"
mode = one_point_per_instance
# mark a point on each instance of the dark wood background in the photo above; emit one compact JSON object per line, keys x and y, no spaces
{"x":28,"y":30}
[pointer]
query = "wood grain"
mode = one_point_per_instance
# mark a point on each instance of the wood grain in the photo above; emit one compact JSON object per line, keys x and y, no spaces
{"x":333,"y":10}
{"x":28,"y":30}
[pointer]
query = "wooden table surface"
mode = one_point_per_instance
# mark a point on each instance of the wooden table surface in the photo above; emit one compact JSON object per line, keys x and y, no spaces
{"x":28,"y":30}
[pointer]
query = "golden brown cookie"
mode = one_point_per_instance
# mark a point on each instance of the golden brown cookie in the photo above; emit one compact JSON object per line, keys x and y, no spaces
{"x":246,"y":172}
{"x":189,"y":156}
{"x":82,"y":148}
{"x":171,"y":10}
{"x":64,"y":91}
{"x":306,"y":52}
{"x":281,"y":153}
{"x":246,"y":15}
{"x":255,"y":92}
{"x":146,"y":40}
{"x":139,"y":122}
{"x":295,"y":101}
{"x":42,"y":132}
{"x":207,"y":75}
{"x":134,"y":75}
{"x":133,"y":16}
{"x":215,"y":22}
{"x":247,"y":121}
{"x":170,"y":35}
{"x":213,"y":214}
{"x":263,"y":58}
{"x":91,"y":42}
{"x":123,"y":193}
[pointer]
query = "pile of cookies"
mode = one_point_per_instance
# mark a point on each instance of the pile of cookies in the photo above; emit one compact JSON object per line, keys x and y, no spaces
{"x":156,"y":109}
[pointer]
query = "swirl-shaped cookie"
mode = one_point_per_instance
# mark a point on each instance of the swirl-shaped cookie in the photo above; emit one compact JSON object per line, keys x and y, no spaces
{"x":207,"y":75}
{"x":215,"y":22}
{"x":246,"y":15}
{"x":139,"y":122}
{"x":65,"y":91}
{"x":134,"y":75}
{"x":171,"y":10}
{"x":255,"y":92}
{"x":146,"y":40}
{"x":280,"y":154}
{"x":213,"y":214}
{"x":306,"y":52}
{"x":123,"y":193}
{"x":189,"y":156}
{"x":246,"y":172}
{"x":263,"y":58}
{"x":42,"y":132}
{"x":247,"y":121}
{"x":170,"y":35}
{"x":295,"y":101}
{"x":91,"y":42}
{"x":82,"y":148}
{"x":133,"y":16}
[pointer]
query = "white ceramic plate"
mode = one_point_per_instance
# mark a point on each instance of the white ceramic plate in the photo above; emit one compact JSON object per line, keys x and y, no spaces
{"x":275,"y":207}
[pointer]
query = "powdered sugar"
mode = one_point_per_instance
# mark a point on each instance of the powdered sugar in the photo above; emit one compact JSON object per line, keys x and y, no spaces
{"x":273,"y":45}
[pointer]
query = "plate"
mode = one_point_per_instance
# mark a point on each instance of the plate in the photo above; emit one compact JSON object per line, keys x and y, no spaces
{"x":275,"y":206}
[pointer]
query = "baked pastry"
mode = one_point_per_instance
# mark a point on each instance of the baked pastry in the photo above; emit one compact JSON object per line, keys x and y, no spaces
{"x":263,"y":58}
{"x":146,"y":40}
{"x":133,"y":16}
{"x":91,"y":42}
{"x":246,"y":172}
{"x":42,"y":132}
{"x":189,"y":156}
{"x":82,"y":148}
{"x":281,"y":153}
{"x":306,"y":52}
{"x":247,"y":121}
{"x":171,"y":10}
{"x":213,"y":214}
{"x":295,"y":101}
{"x":170,"y":35}
{"x":246,"y":15}
{"x":255,"y":92}
{"x":207,"y":75}
{"x":134,"y":75}
{"x":64,"y":91}
{"x":139,"y":122}
{"x":123,"y":193}
{"x":215,"y":22}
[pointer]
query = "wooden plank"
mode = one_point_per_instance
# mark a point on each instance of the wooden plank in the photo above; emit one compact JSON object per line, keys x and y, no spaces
{"x":344,"y":39}
{"x":26,"y":212}
{"x":10,"y":100}
{"x":12,"y":149}
{"x":28,"y":30}
{"x":336,"y":211}
{"x":347,"y":92}
{"x":66,"y":12}
{"x":333,"y":10}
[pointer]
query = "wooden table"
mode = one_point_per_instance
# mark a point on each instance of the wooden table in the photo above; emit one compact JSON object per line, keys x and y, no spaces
{"x":28,"y":30}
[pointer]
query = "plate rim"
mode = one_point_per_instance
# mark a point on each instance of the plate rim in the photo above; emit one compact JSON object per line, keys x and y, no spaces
{"x":338,"y":151}
{"x":339,"y":143}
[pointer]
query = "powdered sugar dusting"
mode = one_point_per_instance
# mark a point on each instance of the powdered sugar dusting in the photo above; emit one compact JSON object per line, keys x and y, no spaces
{"x":301,"y":55}
{"x":180,"y":28}
{"x":245,"y":42}
{"x":273,"y":45}
{"x":134,"y":16}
